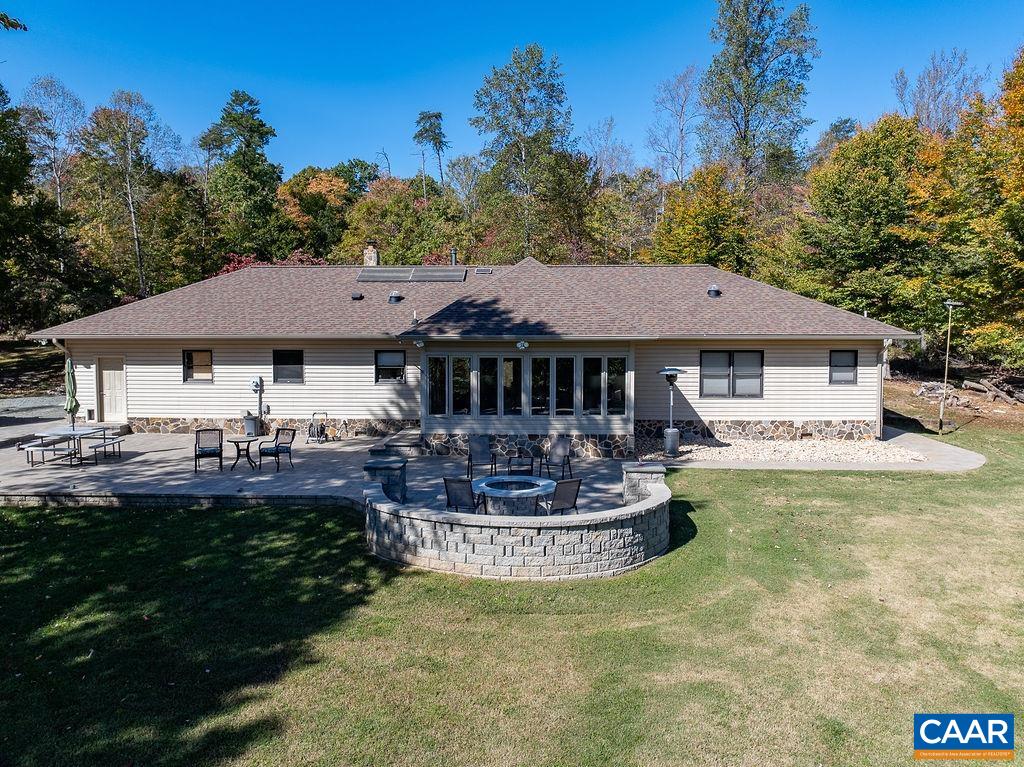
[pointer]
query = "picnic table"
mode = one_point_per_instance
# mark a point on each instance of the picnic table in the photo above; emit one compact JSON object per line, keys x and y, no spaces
{"x":72,"y":435}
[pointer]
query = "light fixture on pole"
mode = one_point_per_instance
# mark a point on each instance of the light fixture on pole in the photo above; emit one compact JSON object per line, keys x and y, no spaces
{"x":671,"y":433}
{"x":950,"y":305}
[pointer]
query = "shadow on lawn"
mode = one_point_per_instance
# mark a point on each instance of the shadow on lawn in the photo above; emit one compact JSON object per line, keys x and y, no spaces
{"x":682,"y":528}
{"x":126,"y":634}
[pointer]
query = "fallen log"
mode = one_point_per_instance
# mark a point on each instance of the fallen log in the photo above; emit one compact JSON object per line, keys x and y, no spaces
{"x":974,"y":386}
{"x":999,"y":393}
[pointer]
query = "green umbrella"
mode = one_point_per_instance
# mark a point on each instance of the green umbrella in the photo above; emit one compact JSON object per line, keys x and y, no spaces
{"x":71,"y":403}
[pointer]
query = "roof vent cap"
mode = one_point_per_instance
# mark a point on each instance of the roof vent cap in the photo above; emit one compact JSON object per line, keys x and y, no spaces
{"x":357,"y":296}
{"x":714,"y":291}
{"x":483,"y":270}
{"x":394,"y":297}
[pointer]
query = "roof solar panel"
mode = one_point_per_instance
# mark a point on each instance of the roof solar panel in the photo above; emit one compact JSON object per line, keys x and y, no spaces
{"x":385,"y":274}
{"x":439,"y":274}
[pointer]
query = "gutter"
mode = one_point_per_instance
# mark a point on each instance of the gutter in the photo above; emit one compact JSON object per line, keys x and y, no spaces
{"x":407,"y":335}
{"x":710,"y":337}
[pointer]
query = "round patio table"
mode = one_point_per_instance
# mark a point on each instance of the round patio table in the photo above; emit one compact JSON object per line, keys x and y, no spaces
{"x":242,"y":445}
{"x":512,"y":495}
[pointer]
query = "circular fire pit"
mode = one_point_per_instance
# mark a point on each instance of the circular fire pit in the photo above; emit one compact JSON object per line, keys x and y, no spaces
{"x":512,"y":495}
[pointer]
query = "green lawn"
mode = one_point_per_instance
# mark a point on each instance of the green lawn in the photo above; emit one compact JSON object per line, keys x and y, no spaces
{"x":800,"y":619}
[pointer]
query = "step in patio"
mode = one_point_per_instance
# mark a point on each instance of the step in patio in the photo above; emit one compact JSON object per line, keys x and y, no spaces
{"x":407,"y":443}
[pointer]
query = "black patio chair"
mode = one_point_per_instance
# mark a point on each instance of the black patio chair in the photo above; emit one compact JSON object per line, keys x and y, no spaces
{"x":281,"y":445}
{"x":209,"y":444}
{"x":565,"y":497}
{"x":480,"y":454}
{"x":460,"y":495}
{"x":556,"y":455}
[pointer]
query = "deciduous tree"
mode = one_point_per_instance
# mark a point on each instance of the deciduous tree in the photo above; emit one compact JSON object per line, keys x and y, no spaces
{"x":430,"y":134}
{"x":754,"y":91}
{"x":676,"y":115}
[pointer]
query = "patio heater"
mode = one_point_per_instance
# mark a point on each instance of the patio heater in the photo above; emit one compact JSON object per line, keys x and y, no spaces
{"x":671,"y":433}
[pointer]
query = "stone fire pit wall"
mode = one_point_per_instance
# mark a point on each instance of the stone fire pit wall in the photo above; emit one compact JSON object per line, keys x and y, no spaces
{"x":591,"y":545}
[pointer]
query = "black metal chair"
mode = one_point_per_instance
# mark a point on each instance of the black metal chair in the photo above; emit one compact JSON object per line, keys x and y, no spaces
{"x":209,"y":444}
{"x":520,"y":464}
{"x":480,"y":454}
{"x":460,"y":495}
{"x":557,"y":455}
{"x":565,"y":497}
{"x":281,"y":445}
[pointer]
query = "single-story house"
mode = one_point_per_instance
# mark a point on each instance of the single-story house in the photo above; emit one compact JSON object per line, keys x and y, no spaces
{"x":519,"y":352}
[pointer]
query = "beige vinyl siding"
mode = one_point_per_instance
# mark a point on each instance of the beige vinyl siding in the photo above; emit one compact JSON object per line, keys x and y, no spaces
{"x":530,"y":424}
{"x":339,"y":378}
{"x":796,"y":383}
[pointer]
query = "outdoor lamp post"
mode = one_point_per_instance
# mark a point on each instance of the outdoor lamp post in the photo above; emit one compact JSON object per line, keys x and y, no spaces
{"x":671,"y":433}
{"x":949,"y":304}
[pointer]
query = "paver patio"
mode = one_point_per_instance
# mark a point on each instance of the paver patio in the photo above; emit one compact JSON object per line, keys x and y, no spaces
{"x":160,"y":464}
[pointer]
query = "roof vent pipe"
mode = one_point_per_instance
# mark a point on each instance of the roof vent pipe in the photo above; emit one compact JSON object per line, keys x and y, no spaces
{"x":714,"y":291}
{"x":394,"y":297}
{"x":455,"y":256}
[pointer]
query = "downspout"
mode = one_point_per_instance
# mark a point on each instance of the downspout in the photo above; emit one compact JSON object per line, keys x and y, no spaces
{"x":883,"y":364}
{"x":62,"y":347}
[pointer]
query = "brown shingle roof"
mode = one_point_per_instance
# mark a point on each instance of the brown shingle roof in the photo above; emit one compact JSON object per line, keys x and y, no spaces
{"x":528,"y":299}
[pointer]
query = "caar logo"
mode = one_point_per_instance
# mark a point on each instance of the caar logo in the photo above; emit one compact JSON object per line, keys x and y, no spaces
{"x":963,"y":736}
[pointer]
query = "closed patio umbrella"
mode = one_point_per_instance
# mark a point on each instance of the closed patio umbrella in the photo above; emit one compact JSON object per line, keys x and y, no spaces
{"x":71,"y":403}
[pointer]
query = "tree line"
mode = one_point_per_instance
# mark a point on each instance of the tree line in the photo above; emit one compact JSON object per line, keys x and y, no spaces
{"x":890,"y":218}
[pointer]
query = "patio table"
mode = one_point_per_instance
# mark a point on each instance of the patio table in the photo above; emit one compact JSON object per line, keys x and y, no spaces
{"x":512,"y":495}
{"x":74,"y":436}
{"x":242,"y":445}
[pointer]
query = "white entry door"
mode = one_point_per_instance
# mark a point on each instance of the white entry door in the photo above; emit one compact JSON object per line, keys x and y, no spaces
{"x":112,"y":399}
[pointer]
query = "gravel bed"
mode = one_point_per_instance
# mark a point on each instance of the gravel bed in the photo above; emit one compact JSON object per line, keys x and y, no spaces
{"x":817,"y":451}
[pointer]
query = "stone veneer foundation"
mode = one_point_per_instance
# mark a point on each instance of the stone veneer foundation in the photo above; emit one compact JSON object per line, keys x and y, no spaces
{"x":582,"y":445}
{"x":761,"y":430}
{"x":336,"y":427}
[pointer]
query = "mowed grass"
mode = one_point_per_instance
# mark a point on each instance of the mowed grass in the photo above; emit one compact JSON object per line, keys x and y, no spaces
{"x":800,"y":619}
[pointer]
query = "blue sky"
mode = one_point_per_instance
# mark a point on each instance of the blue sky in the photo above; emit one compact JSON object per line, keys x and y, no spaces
{"x":340,"y":80}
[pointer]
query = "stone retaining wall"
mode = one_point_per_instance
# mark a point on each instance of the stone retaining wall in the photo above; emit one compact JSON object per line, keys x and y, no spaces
{"x":592,"y":545}
{"x":581,"y":445}
{"x":336,"y":427}
{"x":761,"y":430}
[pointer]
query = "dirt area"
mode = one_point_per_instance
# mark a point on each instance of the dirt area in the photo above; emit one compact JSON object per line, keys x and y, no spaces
{"x":903,"y":407}
{"x":28,"y":369}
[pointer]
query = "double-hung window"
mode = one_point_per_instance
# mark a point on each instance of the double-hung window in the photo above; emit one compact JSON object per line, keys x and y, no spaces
{"x":389,"y":366}
{"x":842,"y":367}
{"x":197,"y":365}
{"x":604,"y":386}
{"x":288,"y":365}
{"x":437,"y":385}
{"x":540,"y":386}
{"x":512,"y":386}
{"x":518,"y":385}
{"x":565,"y":385}
{"x":732,"y":374}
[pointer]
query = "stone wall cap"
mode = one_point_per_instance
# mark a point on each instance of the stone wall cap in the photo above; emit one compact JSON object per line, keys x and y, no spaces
{"x":644,"y":468}
{"x":659,"y":495}
{"x":395,"y":462}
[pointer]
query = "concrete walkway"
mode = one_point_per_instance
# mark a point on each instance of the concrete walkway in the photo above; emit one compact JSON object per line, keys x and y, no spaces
{"x":939,"y":457}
